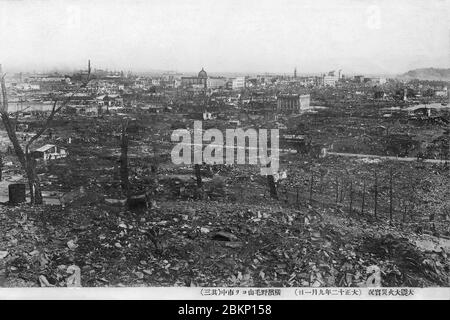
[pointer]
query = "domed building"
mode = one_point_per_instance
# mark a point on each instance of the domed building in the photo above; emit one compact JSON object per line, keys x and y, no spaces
{"x":202,"y":74}
{"x":200,"y":80}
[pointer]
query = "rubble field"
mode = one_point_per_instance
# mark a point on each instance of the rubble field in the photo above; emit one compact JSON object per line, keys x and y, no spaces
{"x":211,"y":243}
{"x":335,"y":221}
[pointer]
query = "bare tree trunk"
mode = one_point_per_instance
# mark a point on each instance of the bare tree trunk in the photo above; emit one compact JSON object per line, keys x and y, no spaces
{"x":25,"y":158}
{"x":272,"y":186}
{"x":33,"y":181}
{"x":198,"y":175}
{"x":199,"y":181}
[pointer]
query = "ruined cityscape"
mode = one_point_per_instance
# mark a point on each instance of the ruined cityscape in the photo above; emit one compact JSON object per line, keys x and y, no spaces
{"x":91,"y":195}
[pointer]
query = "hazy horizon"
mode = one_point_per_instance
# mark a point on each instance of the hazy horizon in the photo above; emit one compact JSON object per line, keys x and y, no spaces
{"x":230,"y":36}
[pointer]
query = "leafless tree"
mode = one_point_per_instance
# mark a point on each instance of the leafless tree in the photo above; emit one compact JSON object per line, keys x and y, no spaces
{"x":23,"y":153}
{"x":272,"y":186}
{"x":198,"y":175}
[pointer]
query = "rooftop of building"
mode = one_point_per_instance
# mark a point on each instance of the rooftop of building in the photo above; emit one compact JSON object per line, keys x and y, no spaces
{"x":202,"y":74}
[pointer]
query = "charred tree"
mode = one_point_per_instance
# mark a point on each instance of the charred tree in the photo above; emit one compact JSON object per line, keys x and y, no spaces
{"x":272,"y":186}
{"x":25,"y":157}
{"x":198,"y":175}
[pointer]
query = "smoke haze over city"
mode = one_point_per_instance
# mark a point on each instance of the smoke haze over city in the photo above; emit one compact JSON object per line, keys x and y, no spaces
{"x":226,"y":36}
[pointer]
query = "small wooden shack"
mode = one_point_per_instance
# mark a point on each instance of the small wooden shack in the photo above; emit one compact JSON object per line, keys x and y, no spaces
{"x":49,"y":152}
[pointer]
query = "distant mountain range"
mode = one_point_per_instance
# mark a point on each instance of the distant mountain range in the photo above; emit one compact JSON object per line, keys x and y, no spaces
{"x":427,"y":74}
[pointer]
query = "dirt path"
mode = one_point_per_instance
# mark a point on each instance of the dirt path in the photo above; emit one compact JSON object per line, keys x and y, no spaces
{"x":371,"y":156}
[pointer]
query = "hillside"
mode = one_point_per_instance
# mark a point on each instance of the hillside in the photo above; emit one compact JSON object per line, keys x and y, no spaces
{"x":216,"y":244}
{"x":428,"y":74}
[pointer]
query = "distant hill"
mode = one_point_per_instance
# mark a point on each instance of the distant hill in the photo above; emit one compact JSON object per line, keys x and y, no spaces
{"x":427,"y":74}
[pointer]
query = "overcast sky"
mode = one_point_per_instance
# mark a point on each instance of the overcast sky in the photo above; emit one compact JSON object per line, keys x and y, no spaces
{"x":375,"y":36}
